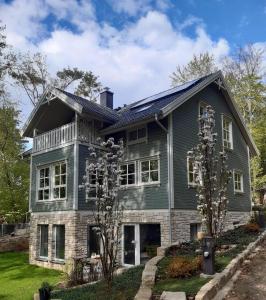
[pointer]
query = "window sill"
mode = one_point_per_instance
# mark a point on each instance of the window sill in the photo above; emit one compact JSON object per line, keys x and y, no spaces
{"x":238,"y":192}
{"x":58,"y":261}
{"x":192,"y":186}
{"x":151,"y":184}
{"x":140,"y":141}
{"x":51,"y":201}
{"x":45,"y":259}
{"x":228,"y":149}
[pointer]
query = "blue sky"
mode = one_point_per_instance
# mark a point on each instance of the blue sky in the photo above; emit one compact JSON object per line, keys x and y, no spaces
{"x":132,"y":45}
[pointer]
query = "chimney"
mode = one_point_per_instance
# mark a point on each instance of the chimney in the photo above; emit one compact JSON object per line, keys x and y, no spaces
{"x":106,"y":98}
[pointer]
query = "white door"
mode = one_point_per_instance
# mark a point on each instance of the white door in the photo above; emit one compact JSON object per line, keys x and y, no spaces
{"x":130,"y":245}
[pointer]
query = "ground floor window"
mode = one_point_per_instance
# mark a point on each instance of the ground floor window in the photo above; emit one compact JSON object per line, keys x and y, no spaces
{"x":194,"y":229}
{"x":93,"y":242}
{"x":43,"y":234}
{"x":59,"y":241}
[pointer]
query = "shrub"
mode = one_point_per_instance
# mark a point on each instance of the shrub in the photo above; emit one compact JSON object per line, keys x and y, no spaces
{"x":151,"y":250}
{"x":252,"y":228}
{"x":183,"y":266}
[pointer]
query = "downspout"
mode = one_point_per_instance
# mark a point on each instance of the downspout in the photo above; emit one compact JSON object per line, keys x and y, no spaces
{"x":169,"y":174}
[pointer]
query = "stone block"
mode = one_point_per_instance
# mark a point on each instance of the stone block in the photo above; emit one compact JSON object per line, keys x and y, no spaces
{"x":173,"y":296}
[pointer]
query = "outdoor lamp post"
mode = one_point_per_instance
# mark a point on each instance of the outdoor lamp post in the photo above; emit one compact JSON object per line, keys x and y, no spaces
{"x":208,"y":244}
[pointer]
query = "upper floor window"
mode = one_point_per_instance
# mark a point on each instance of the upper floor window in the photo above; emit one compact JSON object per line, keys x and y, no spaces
{"x":44,"y":184}
{"x":128,"y":174}
{"x":137,"y":135}
{"x":227,"y":133}
{"x":52,"y":182}
{"x":92,"y":193}
{"x":238,"y":182}
{"x":202,"y":109}
{"x":149,"y":171}
{"x":59,"y":191}
{"x":190,"y":172}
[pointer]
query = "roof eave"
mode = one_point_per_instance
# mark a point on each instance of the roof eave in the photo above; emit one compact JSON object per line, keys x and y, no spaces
{"x":68,"y":101}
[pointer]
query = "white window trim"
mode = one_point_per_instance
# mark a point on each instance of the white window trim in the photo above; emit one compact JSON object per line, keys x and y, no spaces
{"x":230,"y":132}
{"x":51,"y":178}
{"x":87,"y":192}
{"x":137,"y":141}
{"x":38,"y":182}
{"x":54,"y":243}
{"x":136,"y":177}
{"x":53,"y":181}
{"x":140,"y":183}
{"x":201,"y":104}
{"x":241,"y":181}
{"x":190,"y":184}
{"x":40,"y":238}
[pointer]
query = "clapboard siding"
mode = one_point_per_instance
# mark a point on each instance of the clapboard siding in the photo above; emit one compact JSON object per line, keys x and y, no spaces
{"x":140,"y":197}
{"x":185,"y":130}
{"x":65,"y":153}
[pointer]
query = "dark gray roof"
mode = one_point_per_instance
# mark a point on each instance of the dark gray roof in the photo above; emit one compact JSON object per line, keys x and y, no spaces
{"x":148,"y":107}
{"x":92,"y":107}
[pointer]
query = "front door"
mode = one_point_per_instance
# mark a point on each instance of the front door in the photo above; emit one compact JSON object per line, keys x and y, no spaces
{"x":131,"y":244}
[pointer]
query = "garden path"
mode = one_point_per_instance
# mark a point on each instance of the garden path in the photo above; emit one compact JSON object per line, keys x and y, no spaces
{"x":251,"y":284}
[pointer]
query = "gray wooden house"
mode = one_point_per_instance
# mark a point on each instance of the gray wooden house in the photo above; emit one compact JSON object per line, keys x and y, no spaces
{"x":158,"y":182}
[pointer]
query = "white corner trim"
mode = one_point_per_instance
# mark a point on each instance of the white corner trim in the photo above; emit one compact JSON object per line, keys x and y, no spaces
{"x":249,"y":176}
{"x":76,"y":175}
{"x":171,"y":158}
{"x":30,"y":187}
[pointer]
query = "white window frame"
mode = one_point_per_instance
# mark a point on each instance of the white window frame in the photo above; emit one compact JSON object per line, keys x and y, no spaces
{"x":140,"y":172}
{"x":138,"y":140}
{"x":127,"y":174}
{"x":202,"y":104}
{"x":51,"y":167}
{"x":229,"y":131}
{"x":54,"y":243}
{"x":40,"y":239}
{"x":60,"y":185}
{"x":87,"y":190}
{"x":190,"y":184}
{"x":241,"y":190}
{"x":43,"y":188}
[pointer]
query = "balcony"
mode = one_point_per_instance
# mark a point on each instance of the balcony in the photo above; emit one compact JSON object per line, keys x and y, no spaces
{"x":81,"y":131}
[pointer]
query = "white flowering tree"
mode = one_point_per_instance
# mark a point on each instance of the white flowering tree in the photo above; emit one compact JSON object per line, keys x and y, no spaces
{"x":211,"y":175}
{"x":102,"y":179}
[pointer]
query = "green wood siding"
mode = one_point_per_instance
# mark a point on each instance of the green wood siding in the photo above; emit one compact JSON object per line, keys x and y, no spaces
{"x":66,"y":153}
{"x":185,"y":129}
{"x":140,"y":197}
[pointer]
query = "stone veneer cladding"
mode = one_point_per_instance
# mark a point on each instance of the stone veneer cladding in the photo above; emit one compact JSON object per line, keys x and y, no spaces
{"x":76,"y":229}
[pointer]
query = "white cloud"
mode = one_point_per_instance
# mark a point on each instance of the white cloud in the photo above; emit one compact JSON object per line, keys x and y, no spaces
{"x":134,"y":62}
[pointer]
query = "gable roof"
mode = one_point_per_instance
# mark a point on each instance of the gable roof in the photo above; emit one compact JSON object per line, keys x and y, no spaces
{"x":147,"y":109}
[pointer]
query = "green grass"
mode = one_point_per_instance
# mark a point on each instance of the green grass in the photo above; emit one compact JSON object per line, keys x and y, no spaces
{"x":125,"y":287}
{"x":189,"y":285}
{"x":19,"y":280}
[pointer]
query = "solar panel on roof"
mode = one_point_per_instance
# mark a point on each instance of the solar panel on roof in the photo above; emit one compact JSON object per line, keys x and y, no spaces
{"x":165,"y":93}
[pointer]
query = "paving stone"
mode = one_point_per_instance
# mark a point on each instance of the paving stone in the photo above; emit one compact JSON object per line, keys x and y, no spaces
{"x":173,"y":296}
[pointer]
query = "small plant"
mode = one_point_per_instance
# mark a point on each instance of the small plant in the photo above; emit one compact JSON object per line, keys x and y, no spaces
{"x":181,"y":267}
{"x":151,"y":250}
{"x":45,"y":291}
{"x":252,"y":228}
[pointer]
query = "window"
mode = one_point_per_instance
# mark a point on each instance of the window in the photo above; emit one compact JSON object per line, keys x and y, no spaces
{"x":128,"y":174}
{"x":91,"y":191}
{"x":52,"y":182}
{"x":190,"y":172}
{"x":202,"y":109}
{"x":149,"y":171}
{"x":59,"y":242}
{"x":60,"y":181}
{"x":137,"y":135}
{"x":44,"y":184}
{"x":43,"y":235}
{"x":227,"y":133}
{"x":93,"y":242}
{"x":194,"y":229}
{"x":238,"y":182}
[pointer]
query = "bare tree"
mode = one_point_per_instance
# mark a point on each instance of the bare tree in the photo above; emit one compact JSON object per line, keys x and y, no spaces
{"x":211,"y":176}
{"x":103,"y":180}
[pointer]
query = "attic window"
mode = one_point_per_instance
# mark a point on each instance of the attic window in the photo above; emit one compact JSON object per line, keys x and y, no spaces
{"x":138,"y":135}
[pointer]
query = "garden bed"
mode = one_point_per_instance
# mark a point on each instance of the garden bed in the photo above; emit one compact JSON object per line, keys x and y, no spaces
{"x":229,"y":245}
{"x":125,"y":287}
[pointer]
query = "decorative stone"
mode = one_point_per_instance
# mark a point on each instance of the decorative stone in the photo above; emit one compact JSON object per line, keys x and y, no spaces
{"x":173,"y":296}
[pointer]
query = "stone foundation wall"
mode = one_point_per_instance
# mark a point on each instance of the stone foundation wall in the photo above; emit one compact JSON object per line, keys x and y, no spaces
{"x":181,"y":220}
{"x":76,"y":230}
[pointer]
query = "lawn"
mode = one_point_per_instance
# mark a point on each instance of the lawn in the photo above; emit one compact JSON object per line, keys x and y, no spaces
{"x":125,"y":287}
{"x":19,"y":280}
